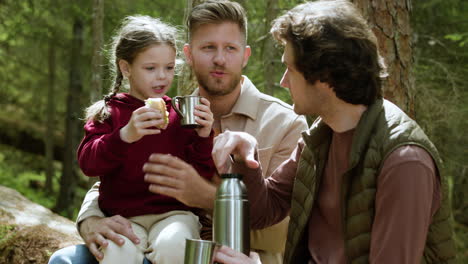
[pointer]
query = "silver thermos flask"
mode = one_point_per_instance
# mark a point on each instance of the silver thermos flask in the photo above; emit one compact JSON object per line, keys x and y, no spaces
{"x":231,"y":225}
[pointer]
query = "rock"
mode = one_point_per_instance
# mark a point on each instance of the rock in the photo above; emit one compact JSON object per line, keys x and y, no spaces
{"x":30,"y":233}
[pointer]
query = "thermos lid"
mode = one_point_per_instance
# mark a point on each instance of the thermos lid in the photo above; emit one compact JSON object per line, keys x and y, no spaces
{"x":231,"y":176}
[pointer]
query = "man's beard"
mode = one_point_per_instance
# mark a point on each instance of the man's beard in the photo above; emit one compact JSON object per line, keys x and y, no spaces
{"x":217,"y":88}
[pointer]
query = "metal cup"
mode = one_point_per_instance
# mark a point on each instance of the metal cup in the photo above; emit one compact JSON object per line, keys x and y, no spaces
{"x":185,"y":108}
{"x":199,"y":251}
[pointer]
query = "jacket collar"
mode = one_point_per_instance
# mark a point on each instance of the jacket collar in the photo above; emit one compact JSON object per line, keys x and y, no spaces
{"x":364,"y":129}
{"x":320,"y":133}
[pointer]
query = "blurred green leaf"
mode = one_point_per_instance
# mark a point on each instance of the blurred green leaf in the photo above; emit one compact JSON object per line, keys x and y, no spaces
{"x":454,"y":37}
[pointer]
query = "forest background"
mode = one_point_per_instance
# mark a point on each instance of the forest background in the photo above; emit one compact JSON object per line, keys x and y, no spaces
{"x":53,"y":63}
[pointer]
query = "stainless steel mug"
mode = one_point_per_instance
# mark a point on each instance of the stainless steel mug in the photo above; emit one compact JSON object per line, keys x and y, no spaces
{"x":199,"y":251}
{"x":185,"y":106}
{"x":231,"y":226}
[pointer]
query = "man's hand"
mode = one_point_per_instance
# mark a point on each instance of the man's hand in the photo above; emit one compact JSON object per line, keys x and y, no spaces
{"x":240,"y":144}
{"x":228,"y":255}
{"x":173,"y":177}
{"x":96,"y":230}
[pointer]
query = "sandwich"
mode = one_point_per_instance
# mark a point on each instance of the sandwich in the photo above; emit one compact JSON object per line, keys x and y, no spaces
{"x":159,"y":104}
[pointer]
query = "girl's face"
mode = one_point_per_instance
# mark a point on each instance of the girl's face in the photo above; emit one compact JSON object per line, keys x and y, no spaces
{"x":151,"y":72}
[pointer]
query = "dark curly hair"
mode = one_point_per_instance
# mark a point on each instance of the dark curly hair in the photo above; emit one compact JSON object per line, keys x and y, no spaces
{"x":332,"y":43}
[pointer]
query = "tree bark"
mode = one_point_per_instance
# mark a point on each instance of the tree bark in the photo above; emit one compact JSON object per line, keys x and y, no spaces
{"x":50,"y":114}
{"x":390,"y":21}
{"x":96,"y":63}
{"x":269,"y":48}
{"x":69,"y":177}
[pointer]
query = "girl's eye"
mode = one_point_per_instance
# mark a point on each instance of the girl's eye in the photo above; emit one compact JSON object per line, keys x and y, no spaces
{"x":150,"y":68}
{"x":170,"y":68}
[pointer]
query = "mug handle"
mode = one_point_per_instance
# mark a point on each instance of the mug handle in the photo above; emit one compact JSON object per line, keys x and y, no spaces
{"x":173,"y":102}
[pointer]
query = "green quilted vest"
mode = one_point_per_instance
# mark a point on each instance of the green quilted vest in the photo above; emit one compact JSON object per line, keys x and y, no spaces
{"x":382,"y":129}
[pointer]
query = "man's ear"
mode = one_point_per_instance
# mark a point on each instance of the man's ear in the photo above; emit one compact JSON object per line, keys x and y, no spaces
{"x":188,"y":53}
{"x":247,"y":53}
{"x":124,"y":67}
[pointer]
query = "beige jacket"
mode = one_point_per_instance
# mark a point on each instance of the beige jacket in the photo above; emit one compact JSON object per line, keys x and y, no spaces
{"x":277,"y":129}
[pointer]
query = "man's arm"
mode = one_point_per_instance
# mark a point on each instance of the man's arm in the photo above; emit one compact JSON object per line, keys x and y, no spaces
{"x":95,"y":228}
{"x":173,"y":177}
{"x":90,"y":205}
{"x":287,"y":144}
{"x":270,"y":198}
{"x":408,"y":195}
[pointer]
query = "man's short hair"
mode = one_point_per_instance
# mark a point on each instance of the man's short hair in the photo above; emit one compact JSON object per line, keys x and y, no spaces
{"x":217,"y":12}
{"x":333,"y":43}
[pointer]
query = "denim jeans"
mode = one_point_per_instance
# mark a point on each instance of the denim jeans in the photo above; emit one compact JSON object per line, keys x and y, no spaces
{"x":78,"y":254}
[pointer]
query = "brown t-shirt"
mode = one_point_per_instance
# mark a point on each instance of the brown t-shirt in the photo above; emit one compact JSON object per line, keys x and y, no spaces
{"x":408,"y":195}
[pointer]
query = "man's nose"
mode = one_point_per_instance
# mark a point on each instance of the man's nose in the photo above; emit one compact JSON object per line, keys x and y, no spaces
{"x":219,"y":58}
{"x":285,"y":80}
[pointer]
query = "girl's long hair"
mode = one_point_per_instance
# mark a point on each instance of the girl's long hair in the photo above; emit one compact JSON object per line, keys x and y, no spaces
{"x":135,"y":35}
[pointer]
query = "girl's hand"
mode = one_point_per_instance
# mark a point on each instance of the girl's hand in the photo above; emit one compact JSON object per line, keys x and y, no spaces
{"x":204,"y":118}
{"x":143,"y":122}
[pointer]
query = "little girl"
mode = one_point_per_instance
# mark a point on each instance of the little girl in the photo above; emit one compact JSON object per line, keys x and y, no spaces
{"x":121,"y":133}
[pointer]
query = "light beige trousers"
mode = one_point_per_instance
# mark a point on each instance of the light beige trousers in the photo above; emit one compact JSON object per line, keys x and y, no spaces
{"x":162,"y":239}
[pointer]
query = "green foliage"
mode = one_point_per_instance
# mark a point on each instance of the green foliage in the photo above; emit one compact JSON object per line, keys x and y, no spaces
{"x":462,"y":39}
{"x":5,"y":231}
{"x":27,"y":29}
{"x":25,"y":173}
{"x":19,"y":170}
{"x":441,"y":73}
{"x":258,"y":33}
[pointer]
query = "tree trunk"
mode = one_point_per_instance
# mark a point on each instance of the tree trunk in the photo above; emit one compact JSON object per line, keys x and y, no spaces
{"x":50,"y":114}
{"x":390,"y":21}
{"x":97,"y":58}
{"x":69,"y":177}
{"x":96,"y":64}
{"x":186,"y":81}
{"x":269,"y":48}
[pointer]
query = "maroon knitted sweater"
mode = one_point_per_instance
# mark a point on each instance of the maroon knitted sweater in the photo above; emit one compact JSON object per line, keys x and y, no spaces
{"x":119,"y":165}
